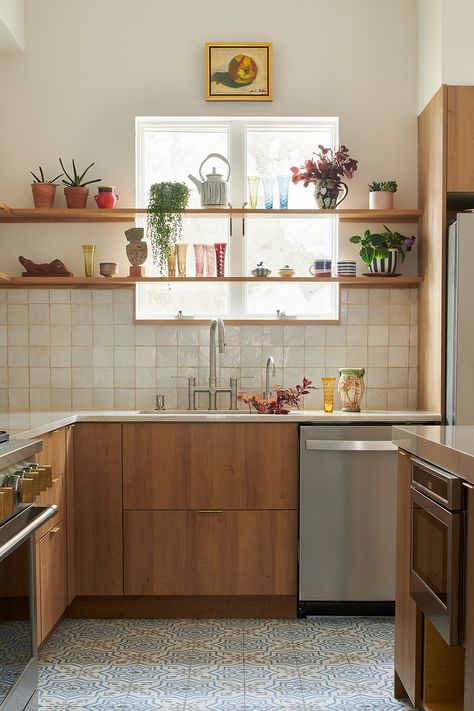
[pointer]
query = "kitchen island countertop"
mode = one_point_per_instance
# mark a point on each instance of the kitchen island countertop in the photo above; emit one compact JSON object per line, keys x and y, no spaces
{"x":451,"y":448}
{"x":34,"y":424}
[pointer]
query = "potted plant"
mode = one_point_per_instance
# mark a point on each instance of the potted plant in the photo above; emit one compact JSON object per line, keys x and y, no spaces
{"x":326,"y":172}
{"x":76,"y":191}
{"x":165,"y":220}
{"x":380,"y":250}
{"x":381,"y":194}
{"x":43,"y":190}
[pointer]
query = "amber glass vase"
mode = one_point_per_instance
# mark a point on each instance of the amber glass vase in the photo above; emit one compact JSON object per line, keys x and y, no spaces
{"x":328,"y":392}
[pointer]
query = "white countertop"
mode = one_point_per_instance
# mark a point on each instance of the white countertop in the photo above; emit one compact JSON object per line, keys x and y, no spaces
{"x":451,"y":448}
{"x":34,"y":424}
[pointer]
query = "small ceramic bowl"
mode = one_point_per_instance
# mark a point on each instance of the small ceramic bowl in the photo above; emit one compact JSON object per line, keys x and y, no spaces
{"x":108,"y":269}
{"x":286,"y":271}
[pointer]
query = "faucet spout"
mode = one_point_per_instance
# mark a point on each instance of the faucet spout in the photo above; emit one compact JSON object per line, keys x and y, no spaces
{"x":270,"y":364}
{"x":216,"y":325}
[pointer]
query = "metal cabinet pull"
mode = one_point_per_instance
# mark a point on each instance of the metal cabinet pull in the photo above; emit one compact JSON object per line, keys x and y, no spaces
{"x":331,"y":445}
{"x":210,"y":511}
{"x":468,"y":486}
{"x":56,"y":529}
{"x":56,"y":479}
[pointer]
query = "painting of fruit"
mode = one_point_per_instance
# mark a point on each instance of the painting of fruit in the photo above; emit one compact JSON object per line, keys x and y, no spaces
{"x":239,"y":72}
{"x":243,"y":69}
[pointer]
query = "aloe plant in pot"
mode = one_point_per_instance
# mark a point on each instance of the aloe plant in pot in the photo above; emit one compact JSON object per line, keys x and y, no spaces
{"x":76,"y":191}
{"x":43,"y":190}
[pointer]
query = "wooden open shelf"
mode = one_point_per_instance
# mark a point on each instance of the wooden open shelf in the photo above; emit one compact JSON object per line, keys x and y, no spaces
{"x":348,"y":282}
{"x":31,"y":215}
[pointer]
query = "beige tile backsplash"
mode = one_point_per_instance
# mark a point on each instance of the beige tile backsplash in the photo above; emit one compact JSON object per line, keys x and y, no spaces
{"x":80,"y":348}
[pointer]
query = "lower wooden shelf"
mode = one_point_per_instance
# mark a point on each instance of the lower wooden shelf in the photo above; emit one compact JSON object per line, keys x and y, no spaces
{"x":115,"y":282}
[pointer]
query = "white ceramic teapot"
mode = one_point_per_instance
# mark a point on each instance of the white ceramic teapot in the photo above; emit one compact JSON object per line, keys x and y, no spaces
{"x":212,"y":188}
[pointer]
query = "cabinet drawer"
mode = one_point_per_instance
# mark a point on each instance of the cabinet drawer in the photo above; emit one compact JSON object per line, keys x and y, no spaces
{"x":53,"y":453}
{"x":56,"y":494}
{"x":203,"y":465}
{"x":210,"y":553}
{"x":51,"y":564}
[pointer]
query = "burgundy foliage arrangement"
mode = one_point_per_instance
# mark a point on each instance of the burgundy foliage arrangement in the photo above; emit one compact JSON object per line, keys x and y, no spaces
{"x":284,"y":399}
{"x":328,"y":164}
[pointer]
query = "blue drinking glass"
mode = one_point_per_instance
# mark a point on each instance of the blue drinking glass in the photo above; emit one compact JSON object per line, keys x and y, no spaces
{"x":268,"y":190}
{"x":283,"y":184}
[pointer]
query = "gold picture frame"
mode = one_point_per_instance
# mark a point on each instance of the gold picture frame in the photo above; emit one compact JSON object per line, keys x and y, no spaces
{"x":239,"y":71}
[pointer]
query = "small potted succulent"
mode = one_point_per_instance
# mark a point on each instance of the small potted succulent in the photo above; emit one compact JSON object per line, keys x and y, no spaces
{"x":76,"y":191}
{"x":380,"y":250}
{"x":381,"y":194}
{"x":43,"y":190}
{"x":326,"y":172}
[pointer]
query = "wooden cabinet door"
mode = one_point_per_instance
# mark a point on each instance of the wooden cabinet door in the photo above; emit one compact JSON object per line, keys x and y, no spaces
{"x":203,"y":465}
{"x":54,"y":453}
{"x":210,"y":553}
{"x":408,"y":632}
{"x":52,"y":578}
{"x":468,"y":606}
{"x":70,"y":518}
{"x":460,"y":143}
{"x":98,"y":508}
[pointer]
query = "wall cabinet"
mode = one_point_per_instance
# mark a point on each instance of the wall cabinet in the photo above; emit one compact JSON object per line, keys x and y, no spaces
{"x":203,"y":465}
{"x":210,"y":552}
{"x":460,"y":139}
{"x":408,"y":629}
{"x":98,"y":509}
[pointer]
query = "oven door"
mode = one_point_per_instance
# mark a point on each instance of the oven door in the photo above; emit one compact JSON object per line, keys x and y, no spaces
{"x":436,"y":564}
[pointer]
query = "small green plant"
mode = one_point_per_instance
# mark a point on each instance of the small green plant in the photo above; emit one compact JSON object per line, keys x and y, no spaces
{"x":165,"y":219}
{"x":42,"y":179}
{"x":376,"y":245}
{"x":388,"y":186}
{"x":76,"y":180}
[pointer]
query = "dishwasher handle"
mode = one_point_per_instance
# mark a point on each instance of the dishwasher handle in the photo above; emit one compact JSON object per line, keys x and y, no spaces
{"x":348,"y":445}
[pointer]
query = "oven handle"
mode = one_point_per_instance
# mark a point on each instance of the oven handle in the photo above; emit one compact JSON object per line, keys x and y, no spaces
{"x":355,"y":445}
{"x":20,"y":537}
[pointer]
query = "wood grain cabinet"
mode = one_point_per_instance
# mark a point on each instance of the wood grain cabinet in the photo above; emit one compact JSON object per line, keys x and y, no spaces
{"x":408,"y":620}
{"x":460,"y":139}
{"x":51,"y":562}
{"x":53,"y":453}
{"x":210,"y":552}
{"x":469,"y":605}
{"x":203,"y":465}
{"x":98,"y":508}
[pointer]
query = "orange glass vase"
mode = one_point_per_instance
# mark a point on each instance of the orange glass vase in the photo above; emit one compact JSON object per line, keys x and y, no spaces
{"x":328,"y":392}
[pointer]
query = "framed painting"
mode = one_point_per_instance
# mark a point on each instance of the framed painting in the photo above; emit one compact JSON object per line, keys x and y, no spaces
{"x":240,"y":71}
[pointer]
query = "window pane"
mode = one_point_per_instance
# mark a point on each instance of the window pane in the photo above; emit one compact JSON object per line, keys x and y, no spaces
{"x":298,"y":299}
{"x":273,"y":152}
{"x":202,"y":300}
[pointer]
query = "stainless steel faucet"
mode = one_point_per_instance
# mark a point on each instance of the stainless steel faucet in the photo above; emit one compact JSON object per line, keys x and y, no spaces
{"x":217,"y":325}
{"x":270,"y":364}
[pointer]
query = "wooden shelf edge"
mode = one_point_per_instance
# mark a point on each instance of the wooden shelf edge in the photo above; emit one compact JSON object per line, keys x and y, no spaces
{"x":113,"y":282}
{"x":25,"y":215}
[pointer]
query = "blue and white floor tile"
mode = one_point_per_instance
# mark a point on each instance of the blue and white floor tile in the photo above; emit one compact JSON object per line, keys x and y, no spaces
{"x":319,"y":664}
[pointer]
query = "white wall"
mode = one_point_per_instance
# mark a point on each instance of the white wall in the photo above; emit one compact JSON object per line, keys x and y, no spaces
{"x":12,"y":30}
{"x":91,"y":67}
{"x":429,"y":50}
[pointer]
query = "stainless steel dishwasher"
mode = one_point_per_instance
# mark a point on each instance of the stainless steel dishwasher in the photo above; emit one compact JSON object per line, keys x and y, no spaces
{"x":348,"y":482}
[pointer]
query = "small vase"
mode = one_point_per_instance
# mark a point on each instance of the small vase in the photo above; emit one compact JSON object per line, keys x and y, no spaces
{"x":199,"y":259}
{"x":328,"y":392}
{"x":172,"y":260}
{"x":89,"y":251}
{"x":327,"y":193}
{"x":283,"y":185}
{"x":386,"y":265}
{"x":182,"y":251}
{"x":351,"y":388}
{"x":106,"y":197}
{"x":380,"y":200}
{"x":268,"y":189}
{"x":43,"y":195}
{"x":220,"y":248}
{"x":253,"y":183}
{"x":76,"y":197}
{"x":210,"y":255}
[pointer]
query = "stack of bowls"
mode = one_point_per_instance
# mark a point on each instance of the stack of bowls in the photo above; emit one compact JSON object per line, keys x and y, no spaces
{"x":346,"y":268}
{"x":321,"y":268}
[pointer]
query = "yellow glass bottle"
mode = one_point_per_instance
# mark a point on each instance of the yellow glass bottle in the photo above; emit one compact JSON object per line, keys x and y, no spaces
{"x":328,"y":391}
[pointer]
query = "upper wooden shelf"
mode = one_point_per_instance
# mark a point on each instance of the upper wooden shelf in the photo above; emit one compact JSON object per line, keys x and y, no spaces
{"x":25,"y":215}
{"x":72,"y":282}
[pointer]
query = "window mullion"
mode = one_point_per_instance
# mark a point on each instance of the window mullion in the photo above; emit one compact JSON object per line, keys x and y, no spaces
{"x":236,"y":198}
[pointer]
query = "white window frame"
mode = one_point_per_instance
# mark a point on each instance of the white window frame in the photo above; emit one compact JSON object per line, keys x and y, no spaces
{"x":237,"y":129}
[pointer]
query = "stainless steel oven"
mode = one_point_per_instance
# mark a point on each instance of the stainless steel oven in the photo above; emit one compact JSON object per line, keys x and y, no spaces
{"x":437,"y":547}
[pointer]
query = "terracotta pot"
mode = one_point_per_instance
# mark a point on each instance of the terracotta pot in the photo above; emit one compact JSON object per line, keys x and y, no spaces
{"x":380,"y":200}
{"x":43,"y":194}
{"x":76,"y":197}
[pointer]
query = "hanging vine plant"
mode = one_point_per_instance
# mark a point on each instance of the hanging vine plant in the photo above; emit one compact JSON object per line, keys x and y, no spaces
{"x":165,"y":220}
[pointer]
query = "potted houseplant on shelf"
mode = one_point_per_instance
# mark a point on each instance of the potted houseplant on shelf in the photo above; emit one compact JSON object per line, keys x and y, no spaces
{"x":76,"y":191}
{"x":165,"y":220}
{"x":43,"y":190}
{"x":381,"y":194}
{"x":326,"y":171}
{"x":380,"y":250}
